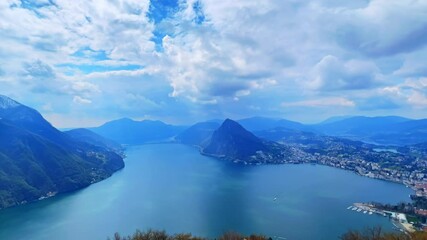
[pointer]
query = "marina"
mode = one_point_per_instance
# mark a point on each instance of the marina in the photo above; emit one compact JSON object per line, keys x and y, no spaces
{"x":399,"y":220}
{"x":367,"y":209}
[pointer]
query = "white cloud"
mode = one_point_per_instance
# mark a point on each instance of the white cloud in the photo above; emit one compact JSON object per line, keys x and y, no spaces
{"x":244,"y":53}
{"x":84,"y":87}
{"x":383,"y":27}
{"x":230,"y":54}
{"x":412,"y":92}
{"x":418,"y":99}
{"x":332,"y":73}
{"x":80,"y":100}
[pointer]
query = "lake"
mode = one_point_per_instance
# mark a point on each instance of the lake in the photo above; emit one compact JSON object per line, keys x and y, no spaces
{"x":173,"y":187}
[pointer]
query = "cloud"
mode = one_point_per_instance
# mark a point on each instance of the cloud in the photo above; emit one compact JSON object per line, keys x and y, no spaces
{"x":84,"y":87}
{"x":412,"y":92}
{"x":333,"y":74}
{"x":40,"y":77}
{"x":383,"y":28}
{"x":214,"y":60}
{"x":413,"y":65}
{"x":38,"y":69}
{"x":80,"y":100}
{"x":418,"y":99}
{"x":187,"y":59}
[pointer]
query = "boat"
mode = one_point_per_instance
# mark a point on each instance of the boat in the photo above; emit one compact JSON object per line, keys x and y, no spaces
{"x":359,"y":210}
{"x":364,"y":212}
{"x":370,"y":213}
{"x":354,"y":208}
{"x":349,"y":207}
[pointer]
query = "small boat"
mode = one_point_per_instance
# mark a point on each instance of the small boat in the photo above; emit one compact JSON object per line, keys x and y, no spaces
{"x":359,"y":210}
{"x":364,"y":212}
{"x":370,"y":213}
{"x":274,"y":199}
{"x":349,"y":207}
{"x":354,"y":209}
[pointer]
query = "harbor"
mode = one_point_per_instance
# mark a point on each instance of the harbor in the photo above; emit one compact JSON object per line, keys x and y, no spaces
{"x":399,"y":220}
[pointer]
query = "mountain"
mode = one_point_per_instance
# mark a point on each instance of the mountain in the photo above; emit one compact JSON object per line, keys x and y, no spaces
{"x":359,"y":125}
{"x":87,"y":136}
{"x":403,"y":133}
{"x":262,"y":123}
{"x":232,"y":140}
{"x":198,"y":134}
{"x":128,"y":131}
{"x":38,"y":161}
{"x":314,"y":143}
{"x":389,"y":130}
{"x":31,"y":120}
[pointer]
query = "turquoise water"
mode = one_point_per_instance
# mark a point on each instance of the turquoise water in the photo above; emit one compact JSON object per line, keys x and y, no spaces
{"x":173,"y":187}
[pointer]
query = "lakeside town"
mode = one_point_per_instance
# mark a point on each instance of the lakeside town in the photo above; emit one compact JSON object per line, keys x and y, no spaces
{"x":404,"y":165}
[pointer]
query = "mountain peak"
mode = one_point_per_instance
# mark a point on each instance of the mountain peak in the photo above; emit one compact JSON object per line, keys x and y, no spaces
{"x":231,"y":140}
{"x":229,"y":122}
{"x":6,"y":102}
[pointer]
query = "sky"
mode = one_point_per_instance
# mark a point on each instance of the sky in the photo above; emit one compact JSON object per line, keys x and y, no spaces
{"x":82,"y":63}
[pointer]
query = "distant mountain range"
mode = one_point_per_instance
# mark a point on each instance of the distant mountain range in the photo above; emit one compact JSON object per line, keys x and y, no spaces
{"x":390,"y":130}
{"x":211,"y":136}
{"x":336,"y":136}
{"x":275,"y":141}
{"x":387,"y":130}
{"x":233,"y":142}
{"x":128,"y":131}
{"x":38,"y":161}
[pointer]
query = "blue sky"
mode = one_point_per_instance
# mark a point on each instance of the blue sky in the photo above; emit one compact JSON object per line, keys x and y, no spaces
{"x":81,"y":63}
